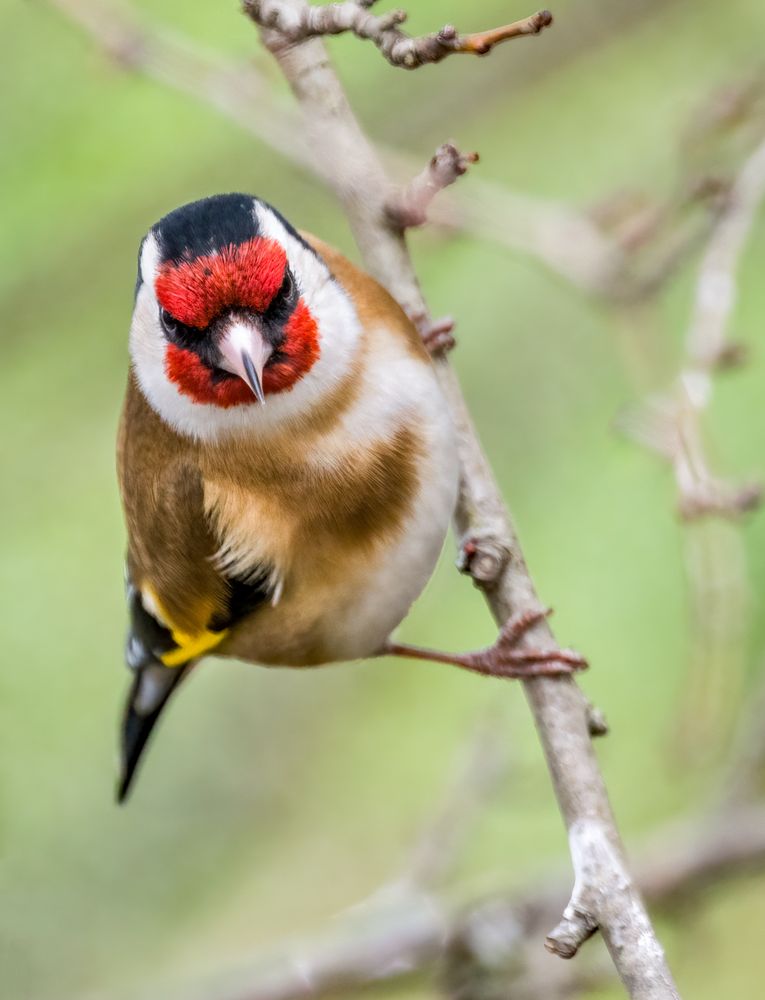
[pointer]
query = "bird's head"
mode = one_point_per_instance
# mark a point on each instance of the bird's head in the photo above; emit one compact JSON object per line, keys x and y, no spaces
{"x":235,"y":309}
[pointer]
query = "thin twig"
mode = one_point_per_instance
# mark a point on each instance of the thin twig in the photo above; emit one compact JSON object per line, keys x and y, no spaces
{"x":672,"y":425}
{"x":707,"y":342}
{"x":300,"y":21}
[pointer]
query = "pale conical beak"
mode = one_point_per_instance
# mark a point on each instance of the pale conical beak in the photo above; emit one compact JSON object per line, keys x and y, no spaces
{"x":244,"y":352}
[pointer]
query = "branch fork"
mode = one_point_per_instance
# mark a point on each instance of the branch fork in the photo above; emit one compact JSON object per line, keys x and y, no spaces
{"x":483,"y":559}
{"x":594,"y":861}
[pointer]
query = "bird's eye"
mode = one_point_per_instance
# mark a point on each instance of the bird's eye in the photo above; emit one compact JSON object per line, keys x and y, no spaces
{"x":288,"y":284}
{"x":169,"y":324}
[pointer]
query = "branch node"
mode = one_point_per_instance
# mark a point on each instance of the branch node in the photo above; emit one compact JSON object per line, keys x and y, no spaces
{"x":391,"y":20}
{"x":715,"y":498}
{"x":482,"y":42}
{"x":447,"y":34}
{"x":483,"y":559}
{"x":410,"y":207}
{"x":597,"y":724}
{"x":576,"y":927}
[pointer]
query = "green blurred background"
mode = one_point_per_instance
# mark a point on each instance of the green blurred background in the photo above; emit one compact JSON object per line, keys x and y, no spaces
{"x":273,"y":800}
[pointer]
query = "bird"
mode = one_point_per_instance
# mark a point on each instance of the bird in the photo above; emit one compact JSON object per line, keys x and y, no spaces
{"x":286,"y":459}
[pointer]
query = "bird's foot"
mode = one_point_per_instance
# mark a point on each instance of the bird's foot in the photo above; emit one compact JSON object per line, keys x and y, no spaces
{"x":505,"y":658}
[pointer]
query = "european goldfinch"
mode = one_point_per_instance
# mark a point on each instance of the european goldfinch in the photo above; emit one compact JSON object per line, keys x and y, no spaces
{"x":286,"y":460}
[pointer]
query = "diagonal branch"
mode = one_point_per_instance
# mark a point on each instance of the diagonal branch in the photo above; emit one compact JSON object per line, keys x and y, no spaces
{"x":240,"y":92}
{"x":672,"y":424}
{"x":298,"y":22}
{"x":604,"y":894}
{"x":407,"y":927}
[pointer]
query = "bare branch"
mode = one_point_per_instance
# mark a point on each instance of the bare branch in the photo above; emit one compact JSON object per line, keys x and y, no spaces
{"x":706,"y":341}
{"x":402,"y":929}
{"x":687,"y":860}
{"x":410,"y":208}
{"x":558,"y":706}
{"x":301,"y":21}
{"x":670,"y":425}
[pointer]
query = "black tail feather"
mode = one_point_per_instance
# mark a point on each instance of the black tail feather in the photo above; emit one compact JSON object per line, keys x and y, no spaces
{"x":137,"y":726}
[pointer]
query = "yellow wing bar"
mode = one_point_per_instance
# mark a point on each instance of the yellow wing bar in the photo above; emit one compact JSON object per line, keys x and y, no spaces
{"x":189,"y":645}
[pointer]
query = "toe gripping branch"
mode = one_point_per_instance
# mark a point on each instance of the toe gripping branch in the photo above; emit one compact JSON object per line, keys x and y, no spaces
{"x":506,"y":657}
{"x":509,"y":658}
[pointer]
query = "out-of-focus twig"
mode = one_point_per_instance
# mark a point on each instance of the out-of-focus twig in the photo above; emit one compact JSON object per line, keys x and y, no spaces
{"x":671,"y":425}
{"x":414,"y":931}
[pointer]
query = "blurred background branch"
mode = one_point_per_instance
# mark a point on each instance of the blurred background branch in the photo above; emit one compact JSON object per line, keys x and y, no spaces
{"x":481,"y":944}
{"x":671,"y":424}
